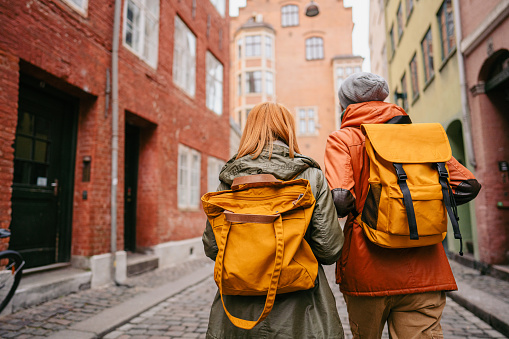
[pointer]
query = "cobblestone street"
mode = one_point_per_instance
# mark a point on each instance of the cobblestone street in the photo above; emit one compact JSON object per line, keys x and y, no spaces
{"x":185,"y":314}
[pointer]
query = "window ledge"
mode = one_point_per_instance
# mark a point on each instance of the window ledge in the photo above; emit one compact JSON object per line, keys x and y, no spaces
{"x":414,"y":99}
{"x":408,"y":16}
{"x":447,"y":58}
{"x":428,"y":82}
{"x":189,"y":209}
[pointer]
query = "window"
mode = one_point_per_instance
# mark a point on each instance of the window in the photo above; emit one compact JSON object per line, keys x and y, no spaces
{"x":446,"y":25}
{"x":214,"y":84}
{"x":141,"y":29}
{"x":340,"y":76}
{"x":269,"y":83}
{"x":400,"y":21}
{"x":254,"y":82}
{"x":214,"y":167}
{"x":253,"y":45}
{"x":357,"y":69}
{"x":268,"y":47}
{"x":348,"y":71}
{"x":414,"y":78}
{"x":409,"y":7}
{"x":79,"y":5}
{"x":219,"y":5}
{"x":239,"y":49}
{"x":306,"y":120}
{"x":289,"y":15}
{"x":314,"y":48}
{"x":405,"y":92}
{"x":184,"y":57}
{"x":391,"y":37}
{"x":188,"y":177}
{"x":427,"y":54}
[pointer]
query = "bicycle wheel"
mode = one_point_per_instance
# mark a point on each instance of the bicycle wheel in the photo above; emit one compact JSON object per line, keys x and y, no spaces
{"x":11,"y":267}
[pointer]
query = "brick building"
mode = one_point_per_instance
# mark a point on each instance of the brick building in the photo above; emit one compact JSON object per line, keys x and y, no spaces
{"x":281,"y":54}
{"x":484,"y":50}
{"x":57,"y":112}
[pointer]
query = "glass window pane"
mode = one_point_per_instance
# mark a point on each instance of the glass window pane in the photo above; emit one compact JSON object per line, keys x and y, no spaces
{"x":26,"y":123}
{"x":23,"y":148}
{"x":38,"y":171}
{"x":42,"y":128}
{"x":41,"y":151}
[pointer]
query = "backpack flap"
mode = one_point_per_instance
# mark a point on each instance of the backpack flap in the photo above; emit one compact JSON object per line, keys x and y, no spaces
{"x":409,"y":143}
{"x":409,"y":188}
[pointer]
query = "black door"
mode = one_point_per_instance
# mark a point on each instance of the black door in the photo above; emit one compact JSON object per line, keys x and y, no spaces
{"x":43,"y":174}
{"x":132,"y":145}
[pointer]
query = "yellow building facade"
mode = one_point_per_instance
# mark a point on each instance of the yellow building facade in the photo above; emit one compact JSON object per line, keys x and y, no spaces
{"x":424,"y":79}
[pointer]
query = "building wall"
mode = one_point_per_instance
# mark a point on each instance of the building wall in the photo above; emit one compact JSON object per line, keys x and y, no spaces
{"x":377,"y":42}
{"x":71,"y":51}
{"x":485,"y":37}
{"x":438,"y":98}
{"x":298,"y":82}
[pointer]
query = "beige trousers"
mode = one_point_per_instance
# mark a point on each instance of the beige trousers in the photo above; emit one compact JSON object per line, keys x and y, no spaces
{"x":409,"y":316}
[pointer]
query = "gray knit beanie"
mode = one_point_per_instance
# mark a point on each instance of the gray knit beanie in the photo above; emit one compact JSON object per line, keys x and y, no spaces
{"x":362,"y":87}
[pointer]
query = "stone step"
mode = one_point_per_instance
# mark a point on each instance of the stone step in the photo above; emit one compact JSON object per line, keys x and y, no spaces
{"x":138,"y":263}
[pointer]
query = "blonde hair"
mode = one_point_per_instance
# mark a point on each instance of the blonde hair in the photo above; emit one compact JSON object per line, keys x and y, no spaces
{"x":266,"y":122}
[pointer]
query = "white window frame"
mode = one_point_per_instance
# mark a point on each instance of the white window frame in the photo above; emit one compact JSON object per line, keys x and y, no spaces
{"x":253,"y":46}
{"x":269,"y":83}
{"x":184,"y":57}
{"x":314,"y":48}
{"x":268,"y":46}
{"x":81,"y":9}
{"x":290,"y":16}
{"x":220,"y":5}
{"x":145,"y":45}
{"x":214,"y":166}
{"x":307,"y":125}
{"x":214,"y":84}
{"x":188,"y":187}
{"x":255,"y":80}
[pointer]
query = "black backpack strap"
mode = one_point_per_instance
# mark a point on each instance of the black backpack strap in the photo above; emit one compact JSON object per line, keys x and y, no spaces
{"x":407,"y":200}
{"x":450,"y":203}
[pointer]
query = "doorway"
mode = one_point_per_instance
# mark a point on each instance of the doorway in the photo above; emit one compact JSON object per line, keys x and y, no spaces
{"x":42,"y":190}
{"x":132,"y":150}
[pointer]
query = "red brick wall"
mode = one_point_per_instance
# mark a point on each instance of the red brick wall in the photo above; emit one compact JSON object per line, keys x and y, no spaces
{"x":8,"y":121}
{"x":72,"y":53}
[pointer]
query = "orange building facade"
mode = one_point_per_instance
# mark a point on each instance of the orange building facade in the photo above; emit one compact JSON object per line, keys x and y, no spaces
{"x":280,"y":54}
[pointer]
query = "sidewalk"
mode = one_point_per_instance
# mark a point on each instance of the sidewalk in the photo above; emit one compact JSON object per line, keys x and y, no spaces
{"x":94,"y":312}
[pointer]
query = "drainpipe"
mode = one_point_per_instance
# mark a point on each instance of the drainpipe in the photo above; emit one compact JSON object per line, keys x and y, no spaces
{"x":464,"y":88}
{"x":114,"y":138}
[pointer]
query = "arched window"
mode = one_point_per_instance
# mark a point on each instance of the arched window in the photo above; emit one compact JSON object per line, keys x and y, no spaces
{"x":314,"y":48}
{"x":289,"y":15}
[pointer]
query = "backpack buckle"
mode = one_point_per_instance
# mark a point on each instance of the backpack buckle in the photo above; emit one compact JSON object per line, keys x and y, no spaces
{"x":442,"y":171}
{"x":400,"y":172}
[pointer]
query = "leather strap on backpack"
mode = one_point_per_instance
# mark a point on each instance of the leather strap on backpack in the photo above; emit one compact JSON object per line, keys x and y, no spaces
{"x":407,"y":200}
{"x":278,"y":265}
{"x":450,"y":203}
{"x":250,"y":179}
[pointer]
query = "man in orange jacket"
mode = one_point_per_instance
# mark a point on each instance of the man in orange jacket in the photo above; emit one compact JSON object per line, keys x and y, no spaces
{"x":403,"y":287}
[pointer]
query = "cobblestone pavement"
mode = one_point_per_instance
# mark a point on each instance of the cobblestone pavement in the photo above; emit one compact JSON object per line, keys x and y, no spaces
{"x":58,"y":314}
{"x":185,"y":315}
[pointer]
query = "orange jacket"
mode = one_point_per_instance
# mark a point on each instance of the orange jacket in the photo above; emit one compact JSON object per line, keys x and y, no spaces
{"x":364,"y":268}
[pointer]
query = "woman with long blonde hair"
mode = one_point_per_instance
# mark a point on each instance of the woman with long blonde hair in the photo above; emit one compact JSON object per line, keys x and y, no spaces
{"x":269,"y":146}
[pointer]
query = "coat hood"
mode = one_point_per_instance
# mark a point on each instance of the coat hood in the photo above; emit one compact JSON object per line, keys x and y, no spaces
{"x":371,"y":112}
{"x":280,"y":165}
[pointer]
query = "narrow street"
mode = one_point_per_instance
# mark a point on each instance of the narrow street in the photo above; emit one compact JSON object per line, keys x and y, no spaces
{"x":183,"y":314}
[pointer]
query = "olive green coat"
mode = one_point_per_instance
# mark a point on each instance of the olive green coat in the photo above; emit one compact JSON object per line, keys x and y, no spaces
{"x":303,"y":314}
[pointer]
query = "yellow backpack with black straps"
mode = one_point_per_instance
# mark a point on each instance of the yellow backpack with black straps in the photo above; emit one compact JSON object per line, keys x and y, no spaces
{"x":259,"y":226}
{"x":409,"y":194}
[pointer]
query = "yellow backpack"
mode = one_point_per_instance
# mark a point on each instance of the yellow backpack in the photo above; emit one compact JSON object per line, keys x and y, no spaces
{"x":259,"y":226}
{"x":409,"y":194}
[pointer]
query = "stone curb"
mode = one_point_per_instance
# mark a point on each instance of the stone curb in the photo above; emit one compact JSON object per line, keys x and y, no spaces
{"x":109,"y":319}
{"x":484,"y":306}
